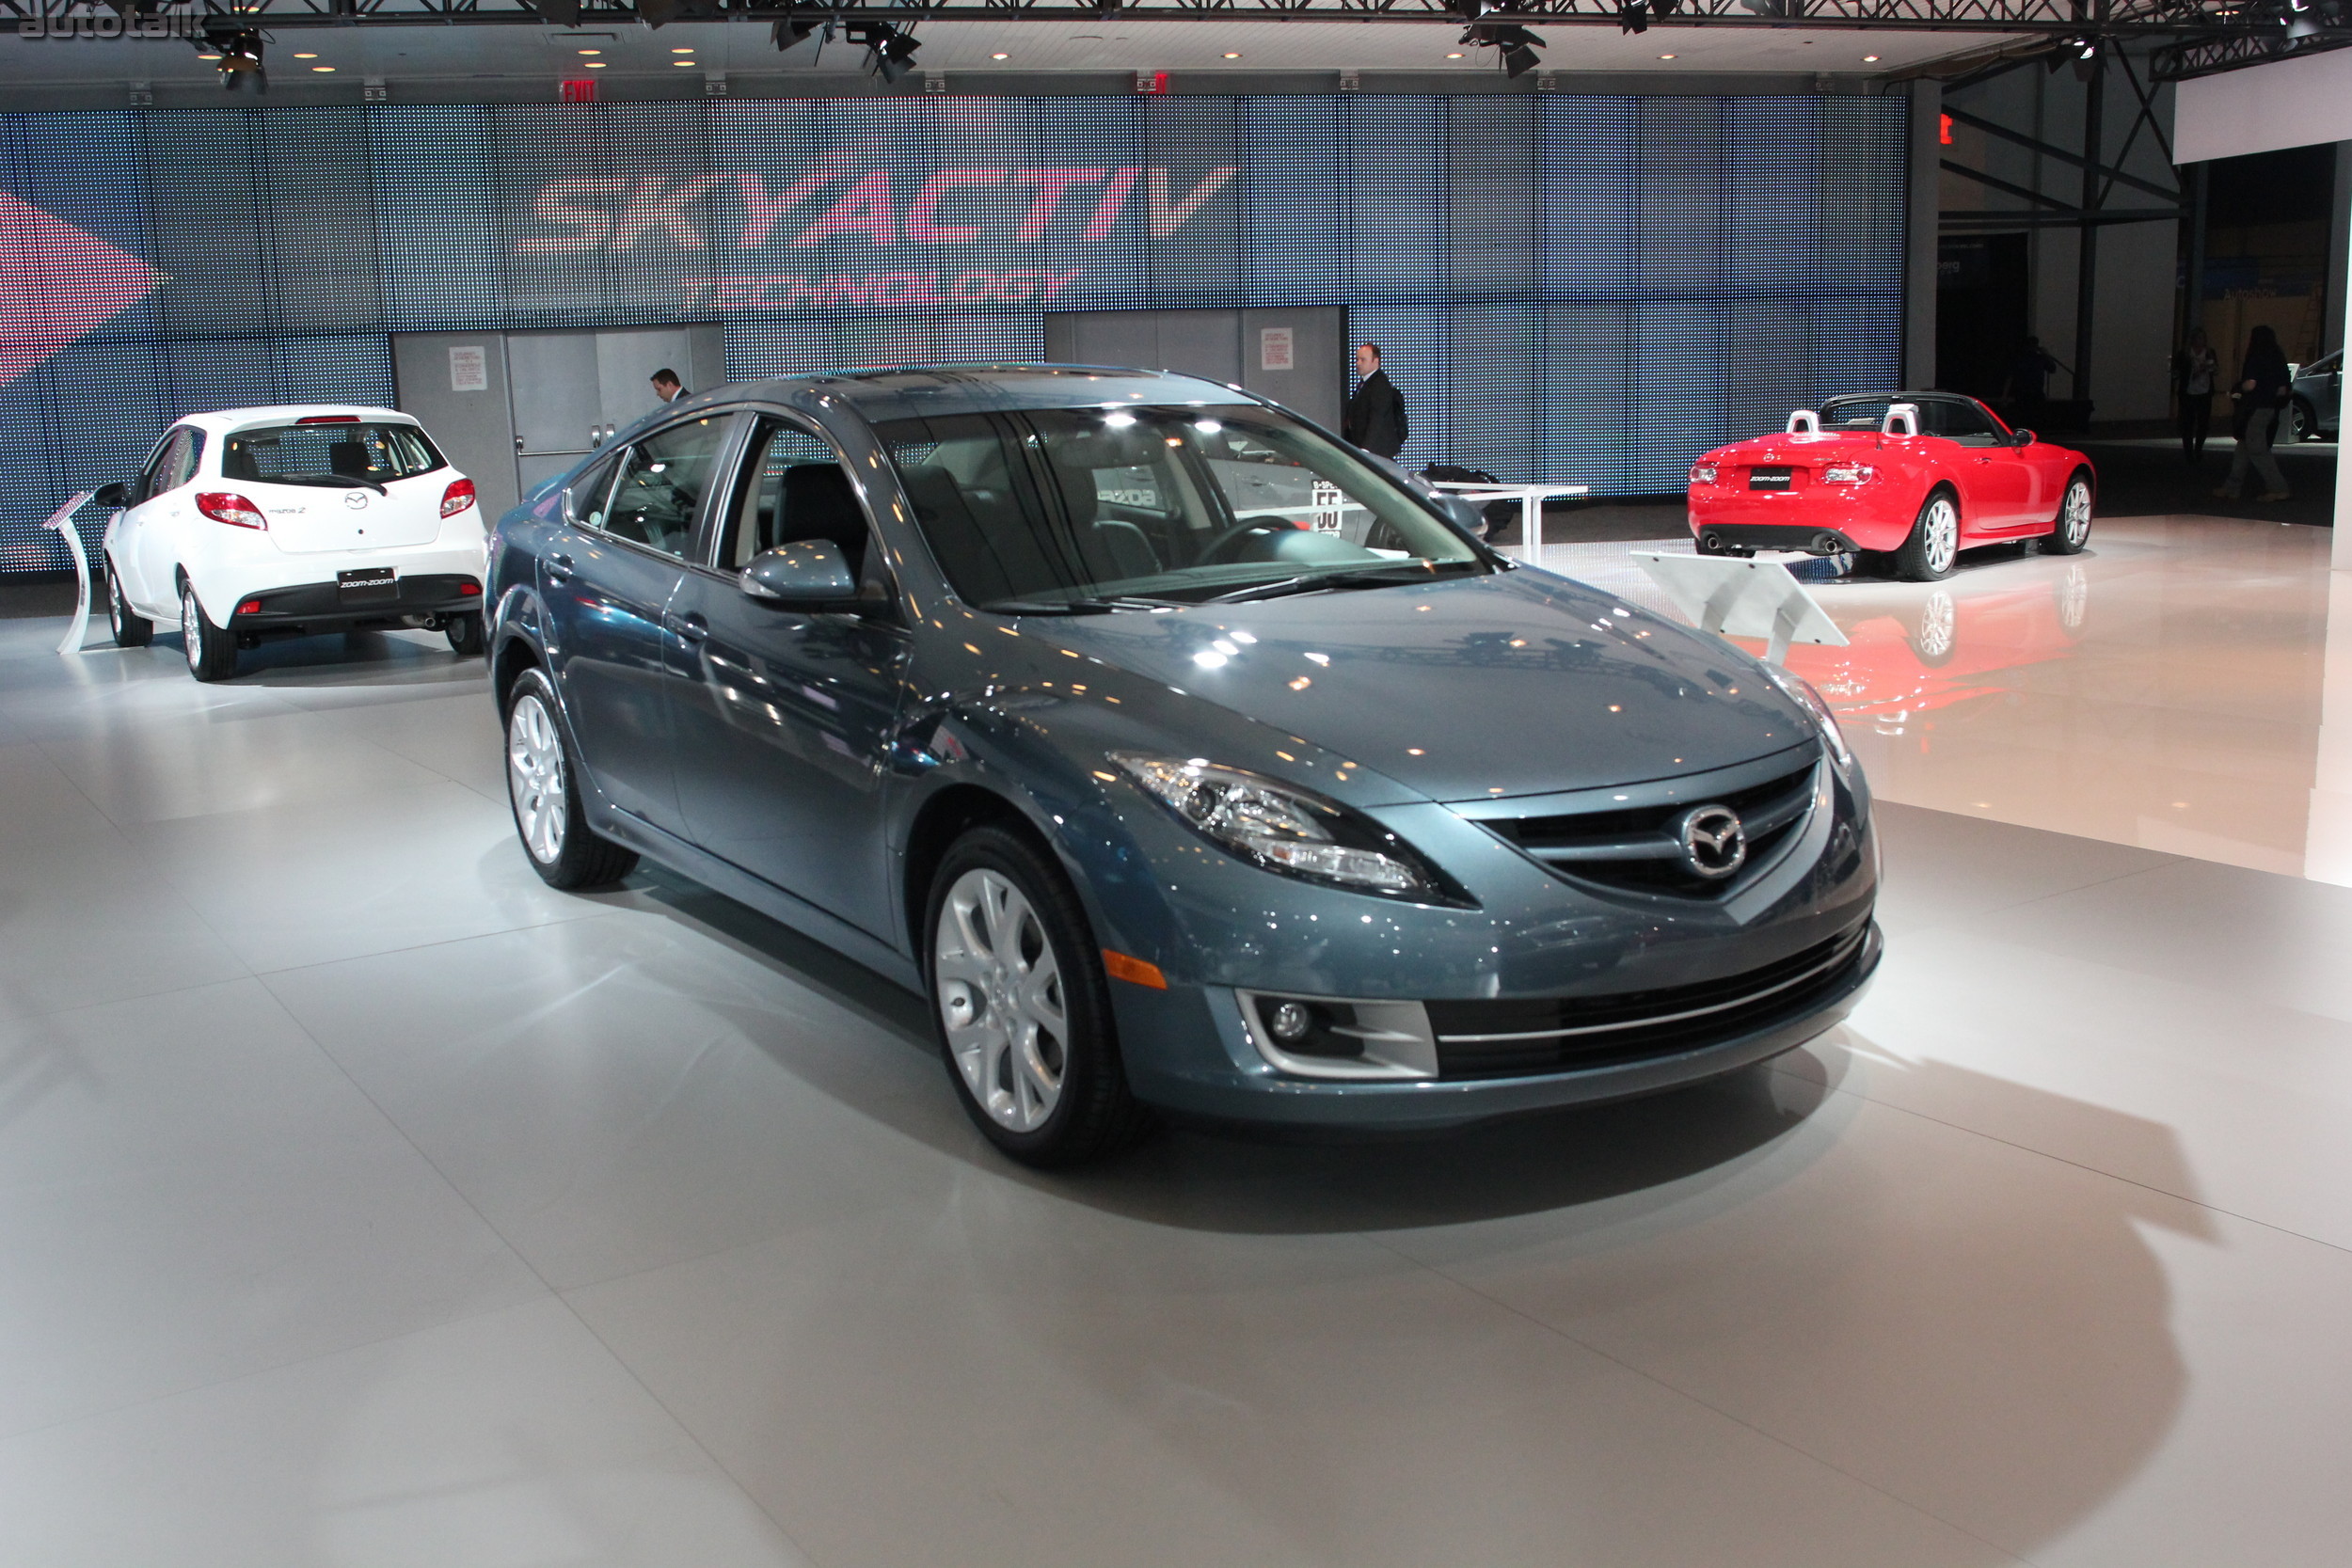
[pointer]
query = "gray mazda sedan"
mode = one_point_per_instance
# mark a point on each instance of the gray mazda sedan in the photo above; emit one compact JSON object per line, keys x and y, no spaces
{"x":1185,"y":757}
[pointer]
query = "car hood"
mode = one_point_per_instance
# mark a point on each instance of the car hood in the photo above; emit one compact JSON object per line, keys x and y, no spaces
{"x":1521,"y":683}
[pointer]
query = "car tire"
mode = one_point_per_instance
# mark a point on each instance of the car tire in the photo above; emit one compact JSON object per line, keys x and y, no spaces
{"x":543,"y":790}
{"x":2302,"y":421}
{"x":2071,"y":531}
{"x":465,"y":634}
{"x":1063,"y":1100}
{"x":131,"y":628}
{"x":212,"y":651}
{"x":1933,"y":550}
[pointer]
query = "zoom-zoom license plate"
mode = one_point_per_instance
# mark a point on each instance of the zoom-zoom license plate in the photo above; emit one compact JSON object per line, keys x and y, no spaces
{"x":1767,"y":479}
{"x":368,"y":585}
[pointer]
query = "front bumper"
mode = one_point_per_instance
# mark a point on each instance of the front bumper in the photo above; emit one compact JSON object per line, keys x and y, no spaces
{"x":1192,"y":1050}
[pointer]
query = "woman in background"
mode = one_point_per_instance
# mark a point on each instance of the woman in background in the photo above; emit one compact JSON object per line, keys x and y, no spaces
{"x":2196,"y":377}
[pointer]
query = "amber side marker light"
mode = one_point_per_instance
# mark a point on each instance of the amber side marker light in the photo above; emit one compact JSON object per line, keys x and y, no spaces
{"x":1134,"y":971}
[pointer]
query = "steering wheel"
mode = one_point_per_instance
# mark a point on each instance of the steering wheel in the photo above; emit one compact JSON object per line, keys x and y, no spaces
{"x":1214,"y":552}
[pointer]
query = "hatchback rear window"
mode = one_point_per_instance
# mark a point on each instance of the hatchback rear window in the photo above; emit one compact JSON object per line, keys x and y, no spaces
{"x":328,"y":453}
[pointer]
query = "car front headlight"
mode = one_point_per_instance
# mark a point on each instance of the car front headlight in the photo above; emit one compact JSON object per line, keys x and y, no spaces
{"x":1289,"y":829}
{"x":1800,"y":691}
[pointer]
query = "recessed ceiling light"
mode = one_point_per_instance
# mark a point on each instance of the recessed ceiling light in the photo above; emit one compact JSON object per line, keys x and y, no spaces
{"x":1232,"y":53}
{"x":1665,"y":57}
{"x":322,"y":68}
{"x":683,"y":49}
{"x":1000,"y":55}
{"x":208,"y":57}
{"x":681,"y":62}
{"x":1869,"y":59}
{"x":1454,"y":56}
{"x":592,"y":51}
{"x":305,"y":57}
{"x":596,"y":65}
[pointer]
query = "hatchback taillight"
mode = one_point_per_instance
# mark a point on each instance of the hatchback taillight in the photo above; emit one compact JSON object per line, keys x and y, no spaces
{"x":226,"y":506}
{"x":458,"y":496}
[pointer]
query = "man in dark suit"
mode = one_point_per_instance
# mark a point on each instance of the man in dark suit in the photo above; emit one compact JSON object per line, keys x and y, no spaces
{"x":1375,"y":415}
{"x":666,"y":386}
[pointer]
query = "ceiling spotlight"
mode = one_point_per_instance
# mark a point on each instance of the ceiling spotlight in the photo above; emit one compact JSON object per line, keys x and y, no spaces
{"x":1516,"y":44}
{"x":1774,"y":7}
{"x":564,"y":13}
{"x":889,"y":52}
{"x":237,"y":54}
{"x":1633,"y":16}
{"x":791,"y":31}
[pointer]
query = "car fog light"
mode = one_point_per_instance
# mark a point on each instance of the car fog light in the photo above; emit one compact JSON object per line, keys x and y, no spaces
{"x":1326,"y":1038}
{"x":1290,"y":1022}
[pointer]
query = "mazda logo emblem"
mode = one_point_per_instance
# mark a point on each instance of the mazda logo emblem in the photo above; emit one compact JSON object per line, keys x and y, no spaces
{"x":1712,"y":842}
{"x":356,"y":500}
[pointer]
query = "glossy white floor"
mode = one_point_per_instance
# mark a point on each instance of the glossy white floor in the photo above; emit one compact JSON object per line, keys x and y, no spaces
{"x":364,"y":1203}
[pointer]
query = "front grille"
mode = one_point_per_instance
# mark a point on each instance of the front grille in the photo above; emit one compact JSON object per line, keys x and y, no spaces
{"x":1636,"y":849}
{"x":1506,"y":1038}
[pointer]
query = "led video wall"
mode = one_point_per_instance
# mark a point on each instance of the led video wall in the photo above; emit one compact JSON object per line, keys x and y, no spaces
{"x":1567,"y":287}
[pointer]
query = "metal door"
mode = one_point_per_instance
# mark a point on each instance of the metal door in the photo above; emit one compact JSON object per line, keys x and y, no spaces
{"x":557,"y":402}
{"x":454,"y":383}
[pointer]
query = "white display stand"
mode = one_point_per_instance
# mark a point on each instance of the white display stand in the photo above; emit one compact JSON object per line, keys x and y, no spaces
{"x":1531,"y":498}
{"x":1740,"y":596}
{"x":61,"y":523}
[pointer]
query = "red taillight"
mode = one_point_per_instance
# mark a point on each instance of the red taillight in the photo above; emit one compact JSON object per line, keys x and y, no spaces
{"x":251,"y":606}
{"x":467,"y":589}
{"x":329,"y":418}
{"x":226,"y":506}
{"x":458,"y":496}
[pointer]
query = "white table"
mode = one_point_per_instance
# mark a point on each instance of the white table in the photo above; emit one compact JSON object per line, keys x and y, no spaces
{"x":1531,"y":498}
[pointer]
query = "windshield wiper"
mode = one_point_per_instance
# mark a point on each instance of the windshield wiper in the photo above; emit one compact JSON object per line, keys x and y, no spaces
{"x":332,"y":482}
{"x":1076,"y":607}
{"x":1359,"y":577}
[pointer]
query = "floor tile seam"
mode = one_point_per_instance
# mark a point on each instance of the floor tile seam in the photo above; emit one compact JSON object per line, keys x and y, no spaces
{"x":2271,"y":1226}
{"x":263,"y":974}
{"x":269,"y":1369}
{"x":1659,"y":1382}
{"x":139,"y":855}
{"x":795,"y":1228}
{"x":687,"y":1431}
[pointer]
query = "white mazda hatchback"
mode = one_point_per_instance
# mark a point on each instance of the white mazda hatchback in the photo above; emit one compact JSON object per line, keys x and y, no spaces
{"x":282,"y":522}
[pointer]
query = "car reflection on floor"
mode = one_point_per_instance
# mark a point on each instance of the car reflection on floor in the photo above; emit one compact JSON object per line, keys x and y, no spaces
{"x":1926,"y":649}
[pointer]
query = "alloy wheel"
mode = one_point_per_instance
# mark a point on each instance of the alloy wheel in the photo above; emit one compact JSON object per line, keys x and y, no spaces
{"x":1942,"y":534}
{"x":1939,"y":625}
{"x":534,"y":775}
{"x":2077,"y":524}
{"x":1000,"y":997}
{"x":191,"y":629}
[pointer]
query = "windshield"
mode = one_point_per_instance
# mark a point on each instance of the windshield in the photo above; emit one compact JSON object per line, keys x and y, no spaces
{"x":1961,"y":419}
{"x":334,"y":454}
{"x":1058,"y":506}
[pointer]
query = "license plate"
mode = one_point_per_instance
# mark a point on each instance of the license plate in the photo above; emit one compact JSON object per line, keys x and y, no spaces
{"x":1767,"y":479}
{"x":368,"y":585}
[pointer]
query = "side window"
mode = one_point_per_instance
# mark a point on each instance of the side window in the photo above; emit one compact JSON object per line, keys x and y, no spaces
{"x":792,"y":488}
{"x":186,"y":455}
{"x":151,"y":483}
{"x":661,"y":481}
{"x":1963,"y":422}
{"x":173,"y":466}
{"x":589,"y":490}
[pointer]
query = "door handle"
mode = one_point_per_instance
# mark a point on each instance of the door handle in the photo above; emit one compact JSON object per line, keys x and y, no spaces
{"x":693,"y":628}
{"x":559,"y":568}
{"x":519,"y":446}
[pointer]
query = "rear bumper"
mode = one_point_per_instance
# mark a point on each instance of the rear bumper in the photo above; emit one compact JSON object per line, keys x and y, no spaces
{"x":1744,"y":538}
{"x":311,"y":607}
{"x":1799,"y":519}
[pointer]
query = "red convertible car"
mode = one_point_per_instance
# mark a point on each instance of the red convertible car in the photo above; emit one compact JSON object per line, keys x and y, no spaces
{"x":1904,"y":479}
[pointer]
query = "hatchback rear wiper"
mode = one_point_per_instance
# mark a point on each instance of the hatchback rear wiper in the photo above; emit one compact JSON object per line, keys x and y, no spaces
{"x":1076,"y":607}
{"x":332,"y":482}
{"x":1361,"y":576}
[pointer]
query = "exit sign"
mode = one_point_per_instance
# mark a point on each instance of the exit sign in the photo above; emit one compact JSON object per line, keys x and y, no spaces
{"x":581,"y":92}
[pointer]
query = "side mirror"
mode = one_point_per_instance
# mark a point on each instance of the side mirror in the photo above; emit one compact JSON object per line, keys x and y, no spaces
{"x":117,"y":495}
{"x":810,"y":574}
{"x":2022,"y":438}
{"x":1468,"y":513}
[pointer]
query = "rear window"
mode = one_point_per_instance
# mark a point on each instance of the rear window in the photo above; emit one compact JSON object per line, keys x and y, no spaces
{"x":328,"y":453}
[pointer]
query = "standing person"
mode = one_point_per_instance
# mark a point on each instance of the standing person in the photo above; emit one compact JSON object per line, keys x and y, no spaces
{"x":1375,"y":415}
{"x":2262,"y":394}
{"x":2195,"y":375}
{"x":667,"y":387}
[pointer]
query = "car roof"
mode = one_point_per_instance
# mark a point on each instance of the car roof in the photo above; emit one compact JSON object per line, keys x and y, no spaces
{"x":221,"y":421}
{"x":922,"y":391}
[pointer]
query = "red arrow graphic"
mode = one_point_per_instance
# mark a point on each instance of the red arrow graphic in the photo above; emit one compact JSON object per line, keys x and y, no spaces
{"x":57,"y":285}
